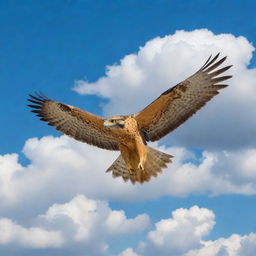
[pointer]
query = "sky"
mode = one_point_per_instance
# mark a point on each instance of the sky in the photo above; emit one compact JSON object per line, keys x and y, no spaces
{"x":115,"y":57}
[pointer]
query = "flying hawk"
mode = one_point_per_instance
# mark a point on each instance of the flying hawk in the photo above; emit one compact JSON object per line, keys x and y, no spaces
{"x":129,"y":133}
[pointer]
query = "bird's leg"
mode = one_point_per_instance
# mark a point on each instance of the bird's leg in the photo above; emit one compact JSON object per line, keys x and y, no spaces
{"x":142,"y":152}
{"x":142,"y":164}
{"x":125,"y":151}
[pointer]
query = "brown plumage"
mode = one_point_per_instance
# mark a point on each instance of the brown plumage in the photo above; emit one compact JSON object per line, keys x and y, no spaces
{"x":129,"y":134}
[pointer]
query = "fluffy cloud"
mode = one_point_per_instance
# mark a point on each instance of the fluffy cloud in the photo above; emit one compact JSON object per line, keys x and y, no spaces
{"x":182,"y":232}
{"x":92,"y":223}
{"x":84,"y":223}
{"x":128,"y":252}
{"x":94,"y":219}
{"x":224,"y":123}
{"x":9,"y":166}
{"x":235,"y":245}
{"x":89,"y":227}
{"x":57,"y":163}
{"x":35,"y":237}
{"x":183,"y":235}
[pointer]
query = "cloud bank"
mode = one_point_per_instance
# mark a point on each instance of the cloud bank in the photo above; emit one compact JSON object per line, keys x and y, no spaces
{"x":58,"y":163}
{"x":84,"y":223}
{"x":35,"y":237}
{"x":184,"y":235}
{"x":91,"y":227}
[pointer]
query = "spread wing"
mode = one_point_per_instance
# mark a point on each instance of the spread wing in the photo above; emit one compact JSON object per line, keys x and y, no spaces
{"x":177,"y":104}
{"x":79,"y":124}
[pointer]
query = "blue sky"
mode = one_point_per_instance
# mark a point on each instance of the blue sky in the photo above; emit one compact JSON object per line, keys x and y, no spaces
{"x":48,"y":45}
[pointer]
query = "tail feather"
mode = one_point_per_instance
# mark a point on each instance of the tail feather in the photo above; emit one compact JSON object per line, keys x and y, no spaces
{"x":156,"y":161}
{"x":118,"y":168}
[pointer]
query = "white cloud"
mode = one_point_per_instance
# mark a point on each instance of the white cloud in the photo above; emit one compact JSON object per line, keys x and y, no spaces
{"x":128,"y":252}
{"x":180,"y":233}
{"x":226,"y":122}
{"x":83,"y":223}
{"x":94,"y":219}
{"x":116,"y":223}
{"x":8,"y":167}
{"x":34,"y":237}
{"x":235,"y":245}
{"x":92,"y":223}
{"x":57,"y":163}
{"x":184,"y":235}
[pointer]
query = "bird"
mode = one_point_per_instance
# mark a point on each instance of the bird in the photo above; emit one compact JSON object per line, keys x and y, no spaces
{"x":130,"y":134}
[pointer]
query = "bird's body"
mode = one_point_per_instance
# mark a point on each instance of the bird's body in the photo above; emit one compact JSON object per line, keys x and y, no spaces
{"x":137,"y":160}
{"x":132,"y":146}
{"x":129,"y":134}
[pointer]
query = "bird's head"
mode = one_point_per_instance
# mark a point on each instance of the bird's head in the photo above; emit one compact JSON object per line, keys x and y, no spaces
{"x":117,"y":122}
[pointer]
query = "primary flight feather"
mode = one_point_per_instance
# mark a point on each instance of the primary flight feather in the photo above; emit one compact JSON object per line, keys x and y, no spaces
{"x":129,"y":134}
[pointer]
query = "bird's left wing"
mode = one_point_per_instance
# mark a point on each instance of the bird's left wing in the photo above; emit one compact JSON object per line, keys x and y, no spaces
{"x":72,"y":121}
{"x":177,"y":104}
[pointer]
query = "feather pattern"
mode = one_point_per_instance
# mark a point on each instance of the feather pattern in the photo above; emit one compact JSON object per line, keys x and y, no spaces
{"x":177,"y":104}
{"x":156,"y":161}
{"x":72,"y":121}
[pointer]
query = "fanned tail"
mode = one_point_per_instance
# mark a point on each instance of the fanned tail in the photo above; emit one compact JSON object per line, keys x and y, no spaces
{"x":156,"y":161}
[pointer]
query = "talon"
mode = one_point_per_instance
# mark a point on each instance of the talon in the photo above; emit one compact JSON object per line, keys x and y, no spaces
{"x":131,"y":171}
{"x":140,"y":166}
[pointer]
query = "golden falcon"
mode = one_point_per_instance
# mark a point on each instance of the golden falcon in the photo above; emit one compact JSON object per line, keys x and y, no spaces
{"x":129,"y":133}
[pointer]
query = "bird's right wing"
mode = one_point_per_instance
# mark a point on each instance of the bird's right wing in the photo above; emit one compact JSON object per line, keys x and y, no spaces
{"x":177,"y":104}
{"x":72,"y":121}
